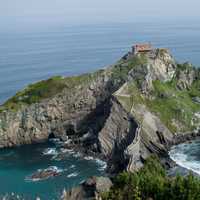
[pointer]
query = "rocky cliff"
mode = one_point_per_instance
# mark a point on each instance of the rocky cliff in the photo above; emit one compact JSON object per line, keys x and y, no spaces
{"x":122,"y":113}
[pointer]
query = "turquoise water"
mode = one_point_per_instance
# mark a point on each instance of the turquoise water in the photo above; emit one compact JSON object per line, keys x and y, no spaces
{"x":29,"y":55}
{"x":17,"y":165}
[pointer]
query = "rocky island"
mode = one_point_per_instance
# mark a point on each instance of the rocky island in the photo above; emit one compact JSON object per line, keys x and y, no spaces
{"x":135,"y":108}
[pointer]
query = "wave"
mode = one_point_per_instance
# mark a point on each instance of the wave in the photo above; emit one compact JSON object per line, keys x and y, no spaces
{"x":56,"y":141}
{"x":50,"y":151}
{"x":77,"y":155}
{"x":187,"y":156}
{"x":101,"y":164}
{"x":70,"y":151}
{"x":72,"y":166}
{"x":55,"y":169}
{"x":60,"y":153}
{"x":88,"y":158}
{"x":74,"y":174}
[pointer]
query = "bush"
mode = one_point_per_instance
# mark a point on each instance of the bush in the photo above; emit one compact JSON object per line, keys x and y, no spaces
{"x":151,"y":182}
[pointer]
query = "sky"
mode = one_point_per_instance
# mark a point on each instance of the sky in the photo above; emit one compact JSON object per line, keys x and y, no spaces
{"x":93,"y":11}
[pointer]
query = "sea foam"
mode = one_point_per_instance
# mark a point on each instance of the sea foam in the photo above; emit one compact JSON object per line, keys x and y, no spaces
{"x":50,"y":151}
{"x":187,"y":155}
{"x":74,"y":174}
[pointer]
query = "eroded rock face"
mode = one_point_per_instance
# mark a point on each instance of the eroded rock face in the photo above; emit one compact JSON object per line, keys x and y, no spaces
{"x":164,"y":65}
{"x":160,"y":65}
{"x":92,"y":118}
{"x":154,"y":135}
{"x":116,"y":135}
{"x":63,"y":115}
{"x":90,"y":189}
{"x":186,"y":77}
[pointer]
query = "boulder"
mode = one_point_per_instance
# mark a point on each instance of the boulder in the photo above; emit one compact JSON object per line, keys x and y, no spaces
{"x":91,"y":189}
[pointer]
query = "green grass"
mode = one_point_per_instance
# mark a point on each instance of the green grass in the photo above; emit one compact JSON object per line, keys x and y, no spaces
{"x":126,"y":102}
{"x":136,"y":96}
{"x":134,"y":99}
{"x":170,"y":103}
{"x":195,"y":89}
{"x":139,"y":59}
{"x":121,"y":70}
{"x":184,"y":66}
{"x":34,"y":92}
{"x":45,"y":89}
{"x":174,"y":107}
{"x":151,"y":182}
{"x":48,"y":88}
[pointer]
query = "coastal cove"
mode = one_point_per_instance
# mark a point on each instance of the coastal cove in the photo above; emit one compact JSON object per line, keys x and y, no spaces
{"x":17,"y":165}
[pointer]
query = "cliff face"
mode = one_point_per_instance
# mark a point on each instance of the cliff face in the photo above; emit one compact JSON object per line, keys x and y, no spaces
{"x":123,"y":113}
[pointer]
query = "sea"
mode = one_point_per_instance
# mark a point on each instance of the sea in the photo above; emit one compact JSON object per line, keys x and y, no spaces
{"x":187,"y":155}
{"x":35,"y":53}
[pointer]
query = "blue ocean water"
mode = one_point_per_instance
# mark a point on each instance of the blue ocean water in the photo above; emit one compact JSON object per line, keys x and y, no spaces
{"x":29,"y":55}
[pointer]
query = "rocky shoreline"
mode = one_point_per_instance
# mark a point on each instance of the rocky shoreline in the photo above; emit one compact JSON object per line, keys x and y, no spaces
{"x":122,"y":114}
{"x":83,"y":191}
{"x":174,"y":168}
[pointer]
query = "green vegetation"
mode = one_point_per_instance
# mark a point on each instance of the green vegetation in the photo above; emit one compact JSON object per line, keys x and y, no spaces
{"x":46,"y":89}
{"x":126,"y":102}
{"x":139,"y":59}
{"x":133,"y":98}
{"x":174,"y":104}
{"x":151,"y":182}
{"x":121,"y":70}
{"x":195,"y":89}
{"x":175,"y":107}
{"x":136,"y":95}
{"x":184,"y":66}
{"x":161,"y":52}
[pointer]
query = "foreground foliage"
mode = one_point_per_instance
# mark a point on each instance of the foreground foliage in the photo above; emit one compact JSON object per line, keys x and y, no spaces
{"x":152,"y":183}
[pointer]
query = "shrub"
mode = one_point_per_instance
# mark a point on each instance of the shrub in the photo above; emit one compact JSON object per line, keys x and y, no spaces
{"x":151,"y":182}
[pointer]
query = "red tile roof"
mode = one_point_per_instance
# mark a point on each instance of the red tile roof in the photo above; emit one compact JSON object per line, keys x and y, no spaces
{"x":142,"y":47}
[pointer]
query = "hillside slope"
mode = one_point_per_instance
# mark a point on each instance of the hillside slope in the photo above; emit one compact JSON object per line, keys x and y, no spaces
{"x":123,"y":113}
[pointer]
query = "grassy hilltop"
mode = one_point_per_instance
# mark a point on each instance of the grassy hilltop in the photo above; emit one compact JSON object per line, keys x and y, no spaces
{"x":170,"y":100}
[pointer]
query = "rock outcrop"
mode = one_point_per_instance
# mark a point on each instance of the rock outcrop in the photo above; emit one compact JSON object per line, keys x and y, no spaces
{"x":186,"y":76}
{"x":90,"y":189}
{"x":159,"y":66}
{"x":65,"y":114}
{"x":109,"y":114}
